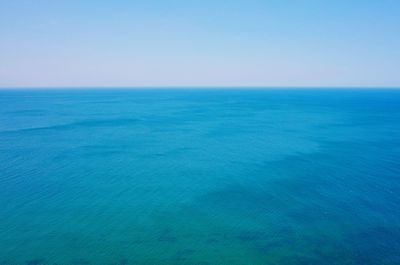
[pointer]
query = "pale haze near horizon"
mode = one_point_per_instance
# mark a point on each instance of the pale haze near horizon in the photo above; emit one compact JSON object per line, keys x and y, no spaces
{"x":200,"y":43}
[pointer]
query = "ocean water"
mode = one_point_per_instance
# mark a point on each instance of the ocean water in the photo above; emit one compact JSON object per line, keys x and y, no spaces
{"x":199,"y":177}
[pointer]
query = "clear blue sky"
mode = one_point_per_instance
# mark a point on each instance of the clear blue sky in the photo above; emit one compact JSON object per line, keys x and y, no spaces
{"x":199,"y":43}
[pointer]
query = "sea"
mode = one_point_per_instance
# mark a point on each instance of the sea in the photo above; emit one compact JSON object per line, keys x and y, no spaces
{"x":206,"y":176}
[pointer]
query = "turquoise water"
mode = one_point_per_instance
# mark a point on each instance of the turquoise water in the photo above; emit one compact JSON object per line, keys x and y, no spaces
{"x":200,"y":177}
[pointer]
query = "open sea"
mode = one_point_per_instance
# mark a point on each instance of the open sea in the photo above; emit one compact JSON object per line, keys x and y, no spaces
{"x":200,"y":177}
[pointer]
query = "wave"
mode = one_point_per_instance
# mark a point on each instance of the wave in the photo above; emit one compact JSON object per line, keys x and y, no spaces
{"x":85,"y":123}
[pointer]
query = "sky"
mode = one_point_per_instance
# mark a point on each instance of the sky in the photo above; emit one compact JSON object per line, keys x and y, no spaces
{"x":238,"y":43}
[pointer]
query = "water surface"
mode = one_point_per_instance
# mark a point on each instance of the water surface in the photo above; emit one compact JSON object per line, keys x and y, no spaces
{"x":199,"y":177}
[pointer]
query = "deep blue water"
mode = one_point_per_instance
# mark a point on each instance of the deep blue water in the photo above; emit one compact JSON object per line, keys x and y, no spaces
{"x":200,"y":177}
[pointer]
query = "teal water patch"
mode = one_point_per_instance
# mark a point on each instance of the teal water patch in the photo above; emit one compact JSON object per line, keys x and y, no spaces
{"x":200,"y":177}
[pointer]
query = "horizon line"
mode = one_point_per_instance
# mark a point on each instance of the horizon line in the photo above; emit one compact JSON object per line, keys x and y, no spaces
{"x":191,"y":87}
